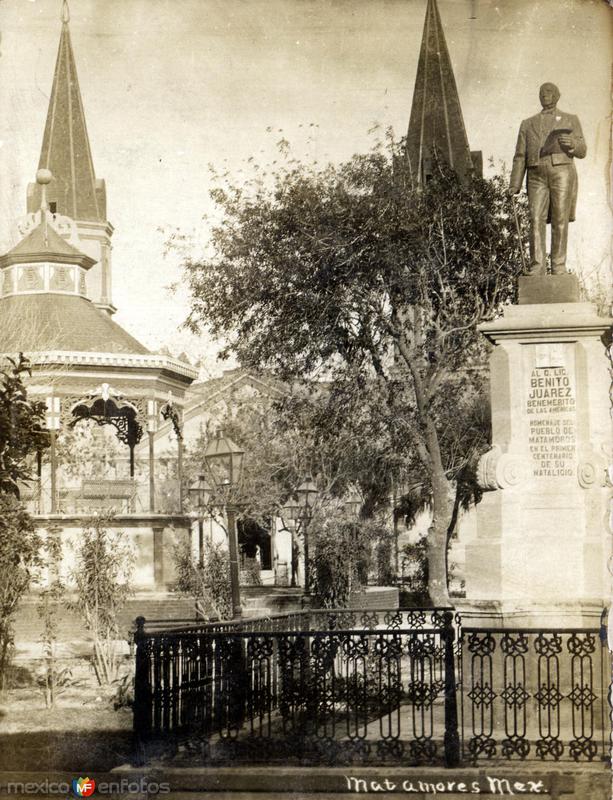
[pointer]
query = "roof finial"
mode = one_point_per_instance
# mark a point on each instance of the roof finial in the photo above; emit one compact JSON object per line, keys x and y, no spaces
{"x":65,"y":12}
{"x":44,"y":177}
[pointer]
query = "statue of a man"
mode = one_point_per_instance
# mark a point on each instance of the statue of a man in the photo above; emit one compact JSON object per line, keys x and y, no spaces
{"x":547,"y":146}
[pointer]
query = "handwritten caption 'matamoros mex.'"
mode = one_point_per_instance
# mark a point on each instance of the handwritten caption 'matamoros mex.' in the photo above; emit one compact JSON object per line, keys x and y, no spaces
{"x":492,"y":786}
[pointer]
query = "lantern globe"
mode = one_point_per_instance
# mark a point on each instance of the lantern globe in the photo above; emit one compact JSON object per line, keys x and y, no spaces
{"x":307,"y":493}
{"x":224,"y":459}
{"x":291,"y":509}
{"x":200,"y":493}
{"x":353,"y":502}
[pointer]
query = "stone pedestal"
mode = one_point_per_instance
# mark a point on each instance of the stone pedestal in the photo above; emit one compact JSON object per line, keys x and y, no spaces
{"x":542,"y":530}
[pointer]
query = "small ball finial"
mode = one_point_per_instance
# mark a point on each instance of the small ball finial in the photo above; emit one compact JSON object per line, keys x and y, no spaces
{"x":44,"y":176}
{"x":65,"y":12}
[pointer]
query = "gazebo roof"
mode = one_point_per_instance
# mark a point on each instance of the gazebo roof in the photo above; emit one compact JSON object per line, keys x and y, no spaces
{"x":45,"y":322}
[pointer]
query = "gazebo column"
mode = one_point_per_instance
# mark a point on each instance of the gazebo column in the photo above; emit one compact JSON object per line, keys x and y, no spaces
{"x":152,"y":426}
{"x":158,"y":556}
{"x":169,"y":411}
{"x":53,"y":455}
{"x":39,"y":479}
{"x":180,"y":468}
{"x":52,"y":419}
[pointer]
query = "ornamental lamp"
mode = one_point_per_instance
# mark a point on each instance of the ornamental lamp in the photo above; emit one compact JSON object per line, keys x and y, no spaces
{"x":224,"y":460}
{"x":291,"y":510}
{"x":200,"y":493}
{"x":353,"y":503}
{"x":307,"y":494}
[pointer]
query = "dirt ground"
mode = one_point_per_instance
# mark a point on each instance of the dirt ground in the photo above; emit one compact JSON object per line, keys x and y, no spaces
{"x":82,"y":732}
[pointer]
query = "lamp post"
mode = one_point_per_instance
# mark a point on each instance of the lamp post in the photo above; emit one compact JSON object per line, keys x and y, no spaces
{"x":352,"y":505}
{"x":199,"y":495}
{"x":307,"y":494}
{"x":224,"y":460}
{"x":290,"y":513}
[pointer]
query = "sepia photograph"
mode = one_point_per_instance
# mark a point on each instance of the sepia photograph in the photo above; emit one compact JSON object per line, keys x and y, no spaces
{"x":306,"y":401}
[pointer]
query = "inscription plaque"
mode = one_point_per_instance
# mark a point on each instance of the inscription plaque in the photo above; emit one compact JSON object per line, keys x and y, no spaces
{"x":550,"y":409}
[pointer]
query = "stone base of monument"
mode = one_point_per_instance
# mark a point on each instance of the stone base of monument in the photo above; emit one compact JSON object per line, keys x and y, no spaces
{"x":530,"y":614}
{"x":539,"y":289}
{"x":542,"y":539}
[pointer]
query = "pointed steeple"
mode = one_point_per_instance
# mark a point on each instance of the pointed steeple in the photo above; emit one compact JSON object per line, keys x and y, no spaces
{"x":437,"y":124}
{"x":74,"y":191}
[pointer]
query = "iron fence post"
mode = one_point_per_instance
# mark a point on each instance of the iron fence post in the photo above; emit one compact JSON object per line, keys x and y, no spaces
{"x":452,"y":737}
{"x":142,"y":694}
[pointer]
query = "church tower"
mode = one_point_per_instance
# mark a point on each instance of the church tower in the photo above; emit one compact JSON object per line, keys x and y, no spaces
{"x":74,"y":191}
{"x":436,"y":127}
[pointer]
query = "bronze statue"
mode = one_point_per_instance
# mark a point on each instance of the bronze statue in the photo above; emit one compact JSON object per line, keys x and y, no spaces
{"x":547,"y":146}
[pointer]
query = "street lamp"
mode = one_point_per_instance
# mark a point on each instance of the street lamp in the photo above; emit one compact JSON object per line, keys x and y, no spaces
{"x":353,"y":503}
{"x":289,"y":513}
{"x":199,"y":495}
{"x":307,"y":494}
{"x":224,"y":460}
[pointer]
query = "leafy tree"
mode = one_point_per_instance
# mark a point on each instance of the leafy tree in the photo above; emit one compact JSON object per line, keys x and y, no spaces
{"x":351,"y":271}
{"x":22,"y":431}
{"x":281,"y":446}
{"x":22,"y":434}
{"x":20,"y":545}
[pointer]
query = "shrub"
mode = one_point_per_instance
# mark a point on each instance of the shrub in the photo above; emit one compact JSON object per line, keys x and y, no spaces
{"x":103,"y":570}
{"x":53,"y":679}
{"x":346,"y":555}
{"x":207,"y":583}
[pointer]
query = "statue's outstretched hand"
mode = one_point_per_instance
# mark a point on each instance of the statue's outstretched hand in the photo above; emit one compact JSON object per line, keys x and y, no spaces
{"x":567,"y":143}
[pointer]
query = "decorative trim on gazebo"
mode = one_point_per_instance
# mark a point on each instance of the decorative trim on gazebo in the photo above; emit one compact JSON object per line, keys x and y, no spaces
{"x":110,"y":408}
{"x":171,"y":413}
{"x":93,"y":359}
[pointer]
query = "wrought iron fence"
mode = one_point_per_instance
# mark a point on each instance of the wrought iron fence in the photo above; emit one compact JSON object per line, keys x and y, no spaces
{"x":531,"y":693}
{"x":373,"y":694}
{"x":371,"y":686}
{"x":318,"y":619}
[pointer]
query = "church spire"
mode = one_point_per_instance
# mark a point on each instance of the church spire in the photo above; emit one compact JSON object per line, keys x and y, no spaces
{"x":74,"y":191}
{"x":437,"y":124}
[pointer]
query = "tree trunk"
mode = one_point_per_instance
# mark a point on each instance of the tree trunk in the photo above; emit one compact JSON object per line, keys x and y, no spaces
{"x":431,"y":458}
{"x":437,"y":541}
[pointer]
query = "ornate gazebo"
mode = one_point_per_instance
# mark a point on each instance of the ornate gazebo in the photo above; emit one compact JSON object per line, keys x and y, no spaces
{"x":56,"y":308}
{"x":89,"y":370}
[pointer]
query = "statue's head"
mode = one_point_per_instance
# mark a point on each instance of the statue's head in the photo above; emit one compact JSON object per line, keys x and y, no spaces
{"x":549,"y":94}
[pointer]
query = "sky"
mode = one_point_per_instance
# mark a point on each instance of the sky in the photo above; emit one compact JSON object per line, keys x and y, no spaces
{"x":172,"y":86}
